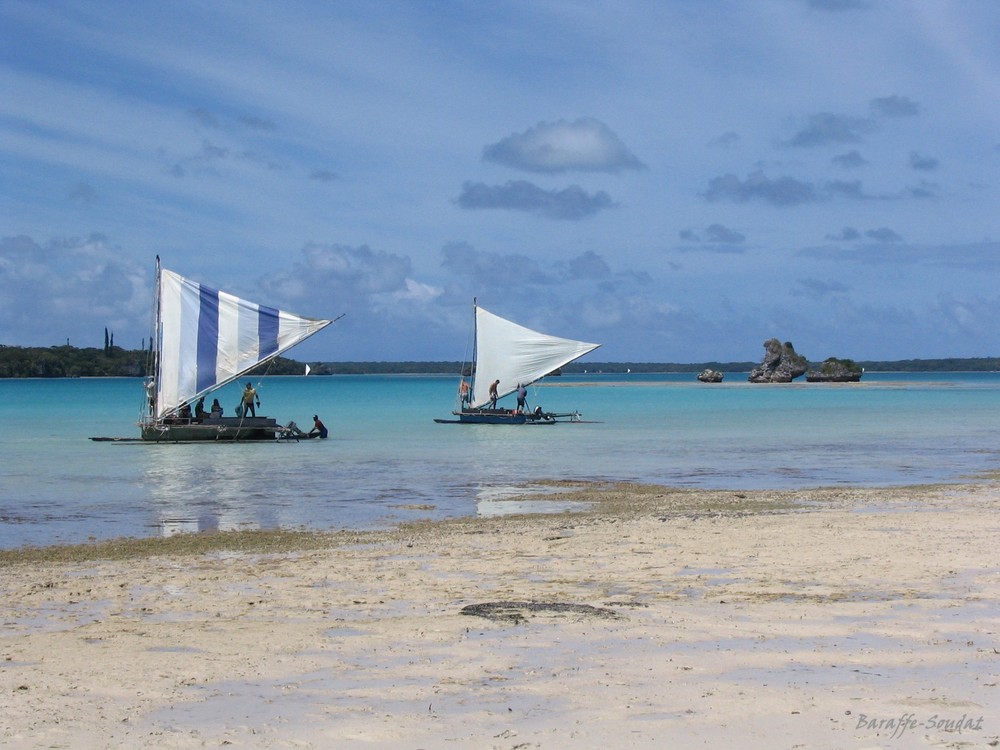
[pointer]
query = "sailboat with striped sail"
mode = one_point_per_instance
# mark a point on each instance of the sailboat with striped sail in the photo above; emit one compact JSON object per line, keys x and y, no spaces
{"x":203,"y":339}
{"x":509,"y":356}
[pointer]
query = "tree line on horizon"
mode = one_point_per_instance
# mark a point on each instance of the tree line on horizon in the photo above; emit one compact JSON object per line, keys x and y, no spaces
{"x":67,"y":361}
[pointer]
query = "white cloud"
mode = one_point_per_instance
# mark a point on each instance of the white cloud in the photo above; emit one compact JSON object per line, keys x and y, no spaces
{"x":585,"y":145}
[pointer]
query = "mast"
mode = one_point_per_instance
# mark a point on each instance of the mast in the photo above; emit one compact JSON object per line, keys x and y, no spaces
{"x":475,"y":342}
{"x":153,"y":357}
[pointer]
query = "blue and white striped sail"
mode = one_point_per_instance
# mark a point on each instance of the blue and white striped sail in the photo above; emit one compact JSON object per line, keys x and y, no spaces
{"x":207,"y":338}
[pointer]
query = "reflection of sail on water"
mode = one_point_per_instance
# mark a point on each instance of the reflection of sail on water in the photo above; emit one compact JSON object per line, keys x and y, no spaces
{"x":209,"y":488}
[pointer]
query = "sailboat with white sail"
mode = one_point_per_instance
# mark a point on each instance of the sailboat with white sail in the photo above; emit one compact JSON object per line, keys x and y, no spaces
{"x":509,"y":356}
{"x":203,"y":339}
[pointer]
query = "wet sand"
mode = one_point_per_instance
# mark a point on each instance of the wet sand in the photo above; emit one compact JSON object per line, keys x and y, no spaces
{"x":650,"y":618}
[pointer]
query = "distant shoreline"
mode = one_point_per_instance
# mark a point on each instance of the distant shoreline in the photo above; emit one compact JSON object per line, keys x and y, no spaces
{"x":69,"y":361}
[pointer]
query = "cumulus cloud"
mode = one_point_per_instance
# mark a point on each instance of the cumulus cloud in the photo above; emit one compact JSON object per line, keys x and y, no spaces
{"x":727,"y":140}
{"x":462,"y":259}
{"x":783,"y":191}
{"x":516,"y":270}
{"x":386,"y":305}
{"x":719,"y":233}
{"x":923,"y":163}
{"x":569,"y":203}
{"x":923,"y":190}
{"x":589,"y":266}
{"x":824,"y":129}
{"x":847,"y":234}
{"x":845,"y":189}
{"x":344,"y":274}
{"x":586,"y":145}
{"x":417,"y":292}
{"x":86,"y":287}
{"x":894,"y":106}
{"x":883,"y":234}
{"x":790,"y":191}
{"x":721,"y":239}
{"x":210,"y":154}
{"x":851,"y":160}
{"x":256,"y":123}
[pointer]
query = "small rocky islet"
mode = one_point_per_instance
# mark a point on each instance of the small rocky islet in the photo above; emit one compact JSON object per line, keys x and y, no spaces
{"x":782,"y":364}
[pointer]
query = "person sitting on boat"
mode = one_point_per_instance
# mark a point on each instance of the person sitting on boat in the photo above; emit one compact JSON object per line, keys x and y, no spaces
{"x":493,"y":393}
{"x":216,"y":409}
{"x":185,"y":412}
{"x":199,"y":409}
{"x":318,"y":428}
{"x":249,"y":397}
{"x":522,"y":397}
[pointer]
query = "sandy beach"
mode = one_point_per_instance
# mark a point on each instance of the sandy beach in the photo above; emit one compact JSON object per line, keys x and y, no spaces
{"x":645,"y":617}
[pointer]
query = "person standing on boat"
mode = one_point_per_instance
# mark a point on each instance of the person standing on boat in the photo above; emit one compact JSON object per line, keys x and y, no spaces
{"x":522,"y":397}
{"x":249,"y":397}
{"x":493,"y":393}
{"x":463,"y":392}
{"x":318,"y":428}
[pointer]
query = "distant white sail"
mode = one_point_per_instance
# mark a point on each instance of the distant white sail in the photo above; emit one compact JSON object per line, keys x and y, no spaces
{"x":307,"y":370}
{"x":207,"y":338}
{"x":516,"y":355}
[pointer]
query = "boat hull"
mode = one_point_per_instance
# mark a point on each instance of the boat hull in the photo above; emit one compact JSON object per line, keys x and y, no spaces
{"x":498,"y":416}
{"x":219,"y":429}
{"x":491,"y":416}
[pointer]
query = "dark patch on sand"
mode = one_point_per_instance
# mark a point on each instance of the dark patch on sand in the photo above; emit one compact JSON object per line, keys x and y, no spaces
{"x":517,"y":612}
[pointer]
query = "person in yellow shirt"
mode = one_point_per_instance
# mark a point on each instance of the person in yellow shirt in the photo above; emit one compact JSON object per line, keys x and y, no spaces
{"x":249,"y":398}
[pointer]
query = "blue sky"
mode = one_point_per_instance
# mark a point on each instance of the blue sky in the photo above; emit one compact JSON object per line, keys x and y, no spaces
{"x":677,"y":180}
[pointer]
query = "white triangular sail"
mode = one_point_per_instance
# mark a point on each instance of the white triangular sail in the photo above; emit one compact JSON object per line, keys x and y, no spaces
{"x":207,"y":338}
{"x":515,"y":354}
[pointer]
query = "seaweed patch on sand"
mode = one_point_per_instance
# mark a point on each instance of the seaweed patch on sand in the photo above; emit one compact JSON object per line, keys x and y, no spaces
{"x":518,"y":612}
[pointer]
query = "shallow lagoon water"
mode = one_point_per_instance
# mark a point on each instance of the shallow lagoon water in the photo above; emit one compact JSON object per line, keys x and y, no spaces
{"x":387,"y":460}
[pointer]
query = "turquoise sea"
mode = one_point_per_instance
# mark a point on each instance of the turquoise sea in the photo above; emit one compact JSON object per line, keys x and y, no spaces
{"x":386,"y":460}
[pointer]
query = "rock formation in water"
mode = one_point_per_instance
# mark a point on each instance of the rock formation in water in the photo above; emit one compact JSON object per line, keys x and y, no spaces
{"x":709,"y":375}
{"x":835,"y":370}
{"x":781,"y":364}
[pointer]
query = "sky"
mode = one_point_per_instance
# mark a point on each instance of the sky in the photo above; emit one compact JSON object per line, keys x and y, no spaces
{"x":677,"y":180}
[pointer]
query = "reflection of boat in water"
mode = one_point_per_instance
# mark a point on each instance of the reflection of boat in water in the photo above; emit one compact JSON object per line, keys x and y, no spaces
{"x":512,"y":356}
{"x":208,"y":488}
{"x":204,"y":339}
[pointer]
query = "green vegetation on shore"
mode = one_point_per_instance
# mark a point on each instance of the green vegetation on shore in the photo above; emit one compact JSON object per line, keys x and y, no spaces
{"x":112,"y":361}
{"x":249,"y":541}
